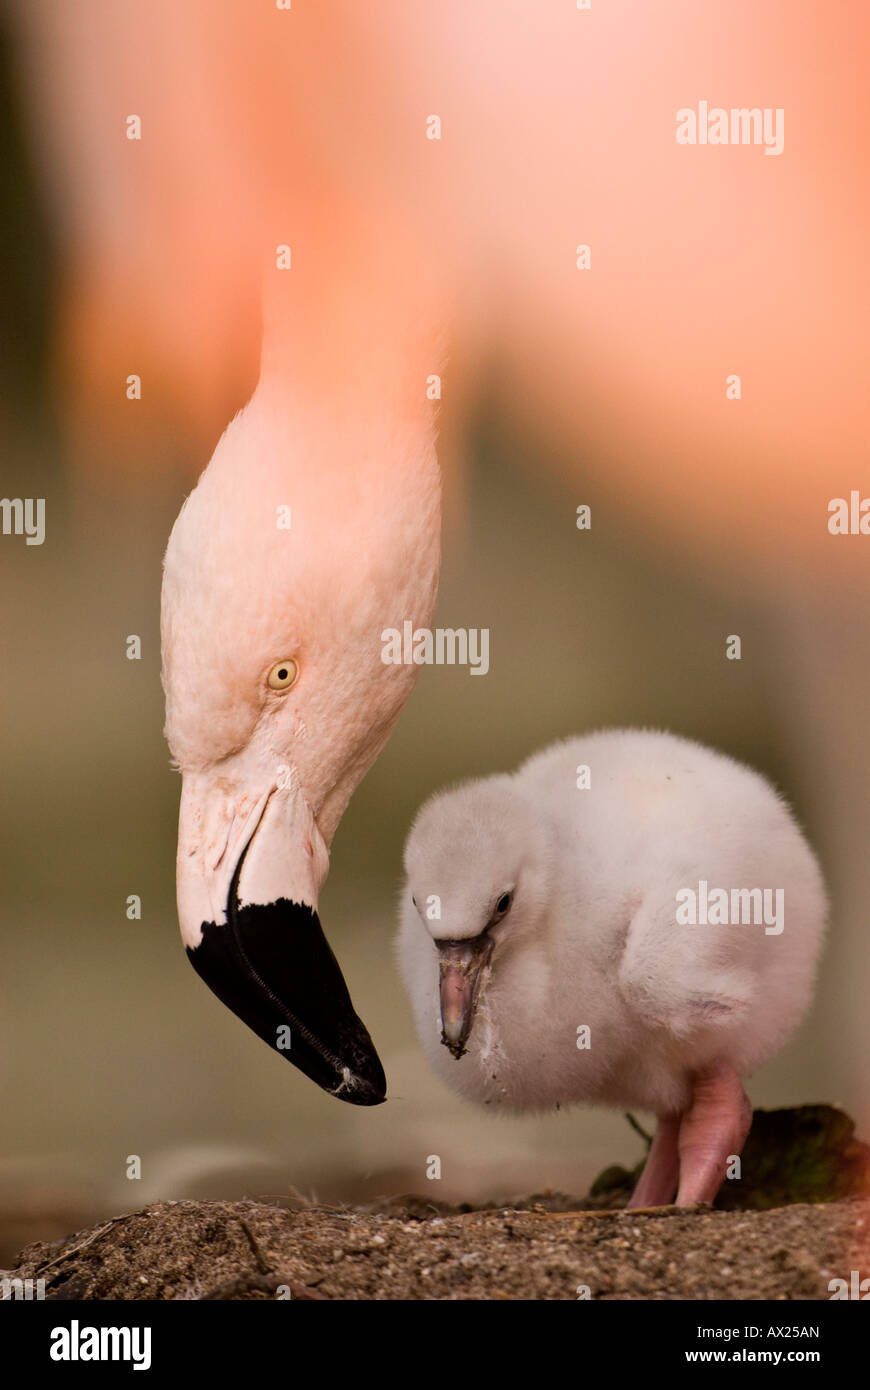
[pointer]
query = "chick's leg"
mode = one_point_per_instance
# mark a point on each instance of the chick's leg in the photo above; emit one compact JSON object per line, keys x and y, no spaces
{"x":713,"y":1129}
{"x":658,"y":1181}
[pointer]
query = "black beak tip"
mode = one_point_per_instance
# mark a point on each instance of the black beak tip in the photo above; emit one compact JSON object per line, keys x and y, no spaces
{"x":273,"y":967}
{"x":356,"y":1090}
{"x":456,"y":1049}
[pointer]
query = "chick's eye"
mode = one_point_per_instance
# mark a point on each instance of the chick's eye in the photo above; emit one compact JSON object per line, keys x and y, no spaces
{"x":283,"y":674}
{"x":504,"y":903}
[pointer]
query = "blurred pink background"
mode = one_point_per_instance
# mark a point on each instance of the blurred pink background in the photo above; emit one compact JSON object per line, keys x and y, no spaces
{"x":606,"y":386}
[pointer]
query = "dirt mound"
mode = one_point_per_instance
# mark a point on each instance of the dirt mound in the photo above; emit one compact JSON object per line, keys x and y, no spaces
{"x":792,"y":1223}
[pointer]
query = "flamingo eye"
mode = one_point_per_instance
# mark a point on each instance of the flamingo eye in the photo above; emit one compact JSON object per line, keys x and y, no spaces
{"x":504,"y":903}
{"x":283,"y":674}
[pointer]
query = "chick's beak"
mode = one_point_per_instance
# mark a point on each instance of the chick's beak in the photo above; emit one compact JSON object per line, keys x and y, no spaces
{"x":462,"y":966}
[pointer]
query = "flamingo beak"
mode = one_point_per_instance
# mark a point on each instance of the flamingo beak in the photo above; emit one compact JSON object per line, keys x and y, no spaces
{"x":249,"y":872}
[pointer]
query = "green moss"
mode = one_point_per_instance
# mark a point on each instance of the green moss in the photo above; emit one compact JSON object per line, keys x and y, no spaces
{"x":806,"y":1154}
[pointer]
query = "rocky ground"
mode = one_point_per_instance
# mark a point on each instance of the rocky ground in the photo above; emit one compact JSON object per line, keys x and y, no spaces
{"x":799,"y":1218}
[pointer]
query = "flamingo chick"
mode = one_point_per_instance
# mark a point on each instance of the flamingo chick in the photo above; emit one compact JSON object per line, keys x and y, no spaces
{"x":631,"y":919}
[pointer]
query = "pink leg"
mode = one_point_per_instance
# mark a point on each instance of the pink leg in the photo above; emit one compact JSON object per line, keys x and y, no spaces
{"x":714,"y":1126}
{"x":658,"y":1181}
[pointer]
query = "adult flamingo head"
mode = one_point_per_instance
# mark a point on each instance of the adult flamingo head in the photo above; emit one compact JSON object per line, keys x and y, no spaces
{"x":312,"y":529}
